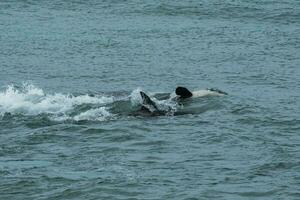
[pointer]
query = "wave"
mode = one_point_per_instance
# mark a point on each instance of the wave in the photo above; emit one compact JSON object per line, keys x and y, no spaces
{"x":31,"y":100}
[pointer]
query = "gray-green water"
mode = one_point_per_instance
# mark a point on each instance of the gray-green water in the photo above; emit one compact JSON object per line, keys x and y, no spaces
{"x":69,"y":71}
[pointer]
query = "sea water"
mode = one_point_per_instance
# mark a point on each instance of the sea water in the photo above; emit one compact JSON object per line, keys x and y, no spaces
{"x":70,"y":76}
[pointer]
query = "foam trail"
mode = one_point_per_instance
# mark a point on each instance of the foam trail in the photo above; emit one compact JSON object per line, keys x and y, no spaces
{"x":31,"y":100}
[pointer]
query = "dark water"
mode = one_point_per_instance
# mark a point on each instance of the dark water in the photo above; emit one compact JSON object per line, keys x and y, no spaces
{"x":70,"y":72}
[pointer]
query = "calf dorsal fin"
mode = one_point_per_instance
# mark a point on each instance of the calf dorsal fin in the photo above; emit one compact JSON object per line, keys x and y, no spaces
{"x":147,"y":101}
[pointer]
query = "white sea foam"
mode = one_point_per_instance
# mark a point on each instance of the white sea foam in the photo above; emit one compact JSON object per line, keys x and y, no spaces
{"x":31,"y":100}
{"x":98,"y":114}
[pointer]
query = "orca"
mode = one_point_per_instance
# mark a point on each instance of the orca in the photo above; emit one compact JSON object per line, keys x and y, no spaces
{"x":184,"y":93}
{"x":147,"y":101}
{"x":150,"y":107}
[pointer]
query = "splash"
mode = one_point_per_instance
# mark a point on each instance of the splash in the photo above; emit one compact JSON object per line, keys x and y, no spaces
{"x":135,"y":97}
{"x":31,"y":100}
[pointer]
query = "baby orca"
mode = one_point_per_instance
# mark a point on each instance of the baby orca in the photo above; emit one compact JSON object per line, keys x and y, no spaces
{"x":149,"y":105}
{"x":148,"y":102}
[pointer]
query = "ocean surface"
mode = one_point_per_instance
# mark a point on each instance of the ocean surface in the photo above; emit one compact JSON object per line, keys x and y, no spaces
{"x":70,"y":76}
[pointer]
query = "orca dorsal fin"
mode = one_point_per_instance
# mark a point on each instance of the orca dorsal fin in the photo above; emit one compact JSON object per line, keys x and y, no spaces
{"x":183,"y":92}
{"x":147,"y":100}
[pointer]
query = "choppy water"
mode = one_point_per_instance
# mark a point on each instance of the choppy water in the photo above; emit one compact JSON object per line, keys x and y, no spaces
{"x":70,"y":72}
